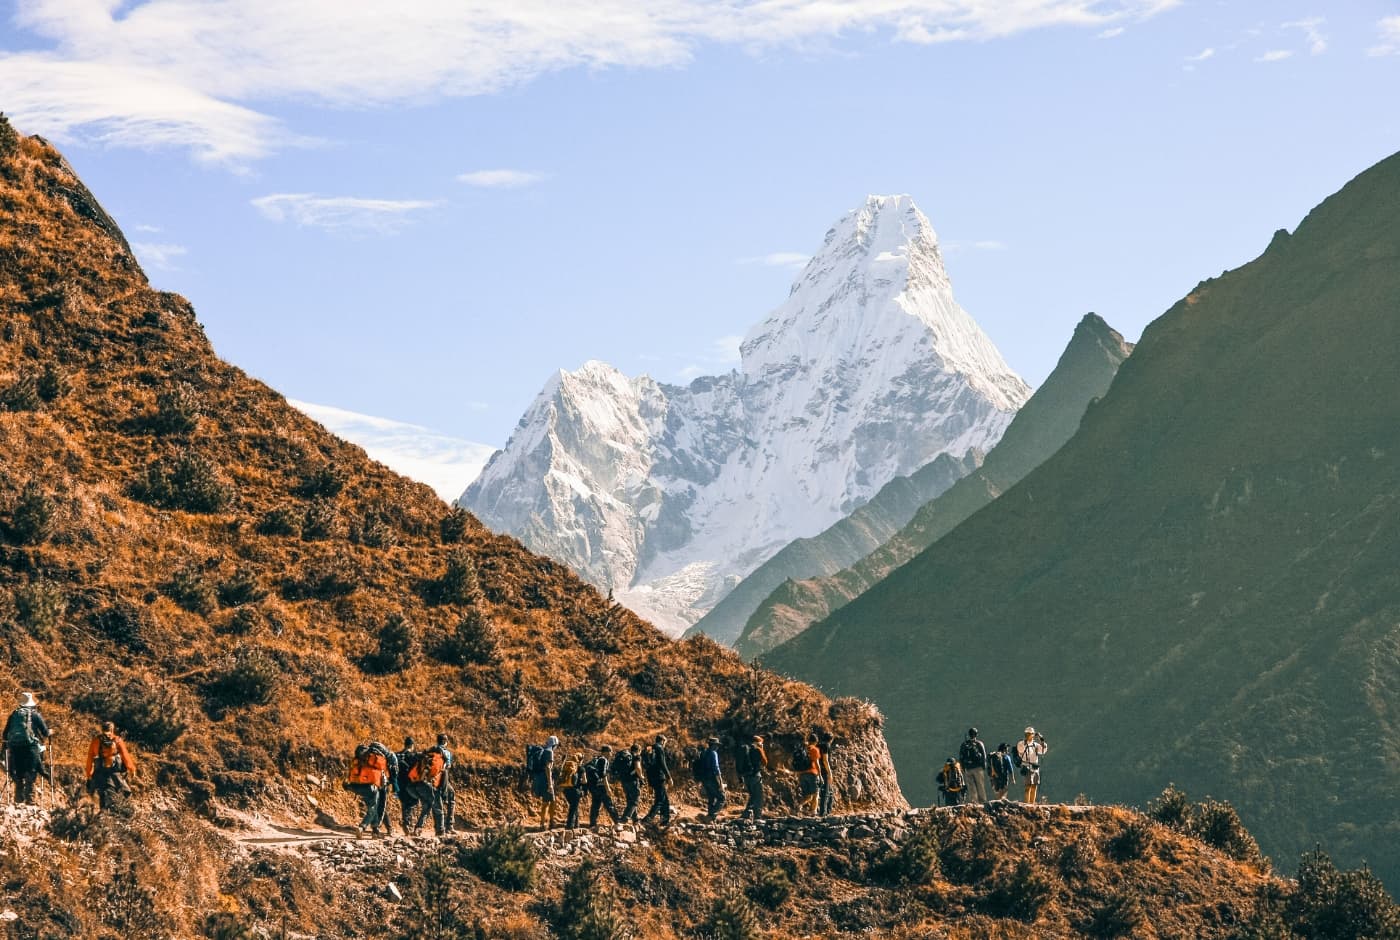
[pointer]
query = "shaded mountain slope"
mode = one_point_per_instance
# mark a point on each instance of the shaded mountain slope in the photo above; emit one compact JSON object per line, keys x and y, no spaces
{"x":1051,"y":416}
{"x":1202,"y":584}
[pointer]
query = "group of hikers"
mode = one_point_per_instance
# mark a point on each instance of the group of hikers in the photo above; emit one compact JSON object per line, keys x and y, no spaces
{"x":976,"y":771}
{"x":419,"y":779}
{"x":26,"y":738}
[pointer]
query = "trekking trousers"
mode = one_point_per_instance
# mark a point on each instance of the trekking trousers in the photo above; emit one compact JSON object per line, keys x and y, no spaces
{"x":573,"y":796}
{"x":714,"y":795}
{"x":660,"y":803}
{"x":383,"y":808}
{"x":427,"y":797}
{"x":811,"y":785}
{"x":547,"y":811}
{"x":976,"y":784}
{"x":825,"y":797}
{"x":632,"y":790}
{"x":600,"y":799}
{"x":369,"y":796}
{"x":754,"y":784}
{"x":25,"y":763}
{"x":407,"y":801}
{"x":447,"y":797}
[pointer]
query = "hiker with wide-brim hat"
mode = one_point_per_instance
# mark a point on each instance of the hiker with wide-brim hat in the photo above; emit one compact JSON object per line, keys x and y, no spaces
{"x":26,"y":738}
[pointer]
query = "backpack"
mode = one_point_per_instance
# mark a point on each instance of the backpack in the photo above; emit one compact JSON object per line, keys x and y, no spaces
{"x":972,"y":754}
{"x":109,"y":756}
{"x":996,"y":767}
{"x":367,"y":766}
{"x":534,"y":758}
{"x":953,"y":780}
{"x":595,"y":770}
{"x":624,"y":766}
{"x":21,"y":733}
{"x":1016,"y":756}
{"x":750,"y":760}
{"x":428,"y":768}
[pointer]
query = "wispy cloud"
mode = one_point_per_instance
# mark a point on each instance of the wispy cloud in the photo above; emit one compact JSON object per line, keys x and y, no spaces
{"x":1312,"y":32}
{"x":720,"y":356}
{"x":159,"y":255}
{"x":446,"y":463}
{"x":778,"y":259}
{"x":1274,"y":55}
{"x":146,"y":229}
{"x":1389,"y":28}
{"x":1206,"y":53}
{"x":1112,"y":33}
{"x":340,"y":213}
{"x":190,"y":74}
{"x":500,"y":179}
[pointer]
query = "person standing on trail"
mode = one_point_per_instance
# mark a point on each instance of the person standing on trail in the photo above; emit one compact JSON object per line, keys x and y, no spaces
{"x":1029,"y":751}
{"x":446,"y":795}
{"x":400,"y":783}
{"x":109,"y":763}
{"x":1000,"y":774}
{"x":810,"y":776}
{"x":973,"y":757}
{"x":753,"y":761}
{"x":658,"y":771}
{"x":595,"y":777}
{"x":26,"y":739}
{"x":951,"y":783}
{"x":392,"y":761}
{"x":367,"y":777}
{"x":826,"y":790}
{"x":626,"y":770}
{"x":707,"y":772}
{"x":571,"y":785}
{"x":424,"y":778}
{"x":539,"y":765}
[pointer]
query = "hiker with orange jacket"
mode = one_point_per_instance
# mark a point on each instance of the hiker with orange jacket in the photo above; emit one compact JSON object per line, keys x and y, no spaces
{"x":367,"y":778}
{"x":109,"y":763}
{"x":424,"y":779}
{"x":810,"y":778}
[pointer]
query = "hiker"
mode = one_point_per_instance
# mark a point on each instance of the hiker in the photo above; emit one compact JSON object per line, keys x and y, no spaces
{"x":1028,"y":753}
{"x":708,"y":773}
{"x":539,"y":765}
{"x":951,"y":783}
{"x":26,"y":739}
{"x":595,"y":778}
{"x":753,"y":761}
{"x":399,"y":782}
{"x":109,"y":764}
{"x":972,"y":755}
{"x":626,"y":770}
{"x":571,"y":784}
{"x":810,"y":779}
{"x":658,"y":772}
{"x":825,"y":790}
{"x":391,"y":760}
{"x":446,"y":795}
{"x":367,"y":777}
{"x":1000,"y":773}
{"x":424,"y":778}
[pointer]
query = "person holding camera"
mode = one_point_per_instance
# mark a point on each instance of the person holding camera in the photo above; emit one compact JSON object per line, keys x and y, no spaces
{"x":1028,"y":754}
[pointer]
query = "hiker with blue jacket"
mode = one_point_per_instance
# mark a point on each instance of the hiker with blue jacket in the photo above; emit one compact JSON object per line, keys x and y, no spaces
{"x":539,"y":764}
{"x":26,"y":738}
{"x":708,"y":773}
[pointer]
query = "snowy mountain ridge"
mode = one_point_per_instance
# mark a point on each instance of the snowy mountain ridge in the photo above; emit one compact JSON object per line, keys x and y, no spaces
{"x":669,"y":495}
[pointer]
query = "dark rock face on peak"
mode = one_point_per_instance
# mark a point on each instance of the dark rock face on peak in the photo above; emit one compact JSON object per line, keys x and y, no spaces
{"x":1201,"y":586}
{"x":795,"y":598}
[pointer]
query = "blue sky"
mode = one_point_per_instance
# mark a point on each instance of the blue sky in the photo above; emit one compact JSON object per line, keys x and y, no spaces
{"x":419,"y":214}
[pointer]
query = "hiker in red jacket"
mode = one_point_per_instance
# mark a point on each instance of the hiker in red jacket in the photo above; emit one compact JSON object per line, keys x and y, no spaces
{"x":109,"y":764}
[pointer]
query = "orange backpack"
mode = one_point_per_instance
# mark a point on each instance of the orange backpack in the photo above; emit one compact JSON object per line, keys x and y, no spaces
{"x":428,"y":769}
{"x":369,"y":767}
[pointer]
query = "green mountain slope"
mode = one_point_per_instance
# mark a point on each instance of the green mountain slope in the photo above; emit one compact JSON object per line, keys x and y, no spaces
{"x":1203,"y":585}
{"x":1084,"y":372}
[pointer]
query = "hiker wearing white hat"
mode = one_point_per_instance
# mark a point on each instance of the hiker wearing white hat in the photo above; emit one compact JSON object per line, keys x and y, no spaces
{"x":26,"y":736}
{"x":1029,"y":751}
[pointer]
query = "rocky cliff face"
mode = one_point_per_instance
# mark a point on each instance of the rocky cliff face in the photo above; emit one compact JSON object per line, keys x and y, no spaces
{"x":667,"y":496}
{"x":804,"y":588}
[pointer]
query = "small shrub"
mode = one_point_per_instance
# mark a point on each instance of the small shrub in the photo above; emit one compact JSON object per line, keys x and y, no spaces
{"x":282,"y":520}
{"x":323,"y":579}
{"x":657,"y":679}
{"x":225,"y":926}
{"x":22,"y":394}
{"x":326,"y":481}
{"x":147,"y":710}
{"x":1077,"y":858}
{"x":248,"y":675}
{"x":435,"y":913}
{"x":244,"y":622}
{"x":34,"y":517}
{"x":189,"y":588}
{"x":733,"y":918}
{"x":52,"y":383}
{"x":586,"y":911}
{"x":1340,"y":905}
{"x":126,"y":624}
{"x":504,"y":857}
{"x":1171,"y":809}
{"x":321,"y":520}
{"x":178,"y":410}
{"x":40,"y":606}
{"x":588,"y":707}
{"x":773,"y":887}
{"x":1133,"y":842}
{"x":473,"y":641}
{"x":189,"y":482}
{"x":459,"y":583}
{"x":324,"y":679}
{"x":453,"y":526}
{"x":375,"y":531}
{"x":9,"y":138}
{"x":1119,"y":916}
{"x":913,"y":862}
{"x":1216,"y":823}
{"x":1022,"y":893}
{"x":971,"y":859}
{"x":399,"y":645}
{"x":241,"y":588}
{"x":597,"y":631}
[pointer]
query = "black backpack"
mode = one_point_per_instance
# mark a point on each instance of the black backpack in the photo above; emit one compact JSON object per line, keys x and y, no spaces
{"x":624,"y":766}
{"x":534,"y":758}
{"x":972,"y":754}
{"x":20,"y":732}
{"x":595,"y":771}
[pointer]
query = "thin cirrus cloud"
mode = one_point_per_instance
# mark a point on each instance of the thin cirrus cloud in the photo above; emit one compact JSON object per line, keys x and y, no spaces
{"x":1389,"y":29}
{"x":350,"y":214}
{"x":192,"y":74}
{"x":778,"y":259}
{"x":159,"y":255}
{"x":1274,"y":55}
{"x":720,"y":355}
{"x":501,"y":179}
{"x":1312,"y":32}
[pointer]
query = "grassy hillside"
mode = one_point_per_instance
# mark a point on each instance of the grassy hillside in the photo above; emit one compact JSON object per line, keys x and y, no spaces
{"x":1202,"y":584}
{"x":1082,"y":375}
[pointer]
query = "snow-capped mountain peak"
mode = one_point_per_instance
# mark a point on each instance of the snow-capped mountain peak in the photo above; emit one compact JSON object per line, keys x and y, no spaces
{"x":867,"y":371}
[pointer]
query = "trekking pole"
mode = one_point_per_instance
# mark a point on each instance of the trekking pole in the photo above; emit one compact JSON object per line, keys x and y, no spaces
{"x":49,"y":798}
